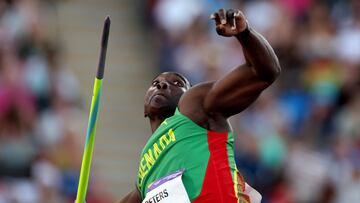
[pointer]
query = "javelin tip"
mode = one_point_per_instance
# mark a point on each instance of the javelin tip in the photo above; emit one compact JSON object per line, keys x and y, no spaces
{"x":104,"y":43}
{"x":107,"y":20}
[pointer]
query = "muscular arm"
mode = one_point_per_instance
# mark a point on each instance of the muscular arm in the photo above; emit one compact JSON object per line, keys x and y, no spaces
{"x":239,"y":88}
{"x":132,"y":197}
{"x":259,"y":55}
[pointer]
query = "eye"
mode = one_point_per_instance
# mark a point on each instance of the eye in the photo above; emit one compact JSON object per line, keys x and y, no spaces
{"x":154,"y":83}
{"x":178,"y":83}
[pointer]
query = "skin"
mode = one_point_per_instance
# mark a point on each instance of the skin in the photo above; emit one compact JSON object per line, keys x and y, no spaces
{"x":210,"y":104}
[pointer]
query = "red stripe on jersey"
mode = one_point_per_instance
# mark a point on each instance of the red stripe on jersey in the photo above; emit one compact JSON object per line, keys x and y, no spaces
{"x":218,"y":185}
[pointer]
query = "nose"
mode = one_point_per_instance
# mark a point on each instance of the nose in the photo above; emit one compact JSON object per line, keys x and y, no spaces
{"x":162,"y":85}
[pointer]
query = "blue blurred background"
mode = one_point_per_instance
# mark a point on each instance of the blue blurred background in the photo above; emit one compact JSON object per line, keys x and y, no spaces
{"x":298,"y":143}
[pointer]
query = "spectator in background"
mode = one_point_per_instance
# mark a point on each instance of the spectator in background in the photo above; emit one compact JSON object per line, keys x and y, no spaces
{"x":39,"y":121}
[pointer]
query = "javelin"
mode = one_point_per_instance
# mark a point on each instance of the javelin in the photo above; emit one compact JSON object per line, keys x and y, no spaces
{"x":91,"y":130}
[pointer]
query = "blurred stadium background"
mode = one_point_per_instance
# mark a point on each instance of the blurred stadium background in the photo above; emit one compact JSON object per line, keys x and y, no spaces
{"x":299,"y":143}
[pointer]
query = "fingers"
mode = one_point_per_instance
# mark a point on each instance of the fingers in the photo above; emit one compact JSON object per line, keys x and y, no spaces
{"x":240,"y":20}
{"x":222,"y":15}
{"x":216,"y":17}
{"x":229,"y":22}
{"x":230,"y":18}
{"x":220,"y":21}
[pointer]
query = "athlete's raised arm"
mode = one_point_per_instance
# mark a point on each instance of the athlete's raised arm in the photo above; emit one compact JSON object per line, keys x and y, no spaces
{"x":239,"y":88}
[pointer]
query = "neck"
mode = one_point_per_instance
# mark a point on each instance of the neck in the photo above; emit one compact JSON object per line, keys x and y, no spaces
{"x":155,"y":123}
{"x":157,"y":118}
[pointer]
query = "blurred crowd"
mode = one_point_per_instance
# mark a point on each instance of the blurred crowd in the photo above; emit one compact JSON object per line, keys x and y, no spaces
{"x":40,"y":151}
{"x":300,"y":142}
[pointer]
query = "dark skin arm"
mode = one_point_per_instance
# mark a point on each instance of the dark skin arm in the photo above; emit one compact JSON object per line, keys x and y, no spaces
{"x":211,"y":104}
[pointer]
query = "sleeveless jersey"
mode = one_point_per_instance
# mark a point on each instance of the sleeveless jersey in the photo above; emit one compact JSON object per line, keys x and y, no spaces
{"x":206,"y":156}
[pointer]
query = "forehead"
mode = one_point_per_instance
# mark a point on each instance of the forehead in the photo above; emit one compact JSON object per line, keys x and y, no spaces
{"x":169,"y":76}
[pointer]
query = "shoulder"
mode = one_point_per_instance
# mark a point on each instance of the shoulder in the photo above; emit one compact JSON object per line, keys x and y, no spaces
{"x":191,"y":105}
{"x":191,"y":102}
{"x":197,"y":92}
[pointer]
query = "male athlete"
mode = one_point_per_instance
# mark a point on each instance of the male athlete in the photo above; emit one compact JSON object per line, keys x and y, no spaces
{"x":190,"y":157}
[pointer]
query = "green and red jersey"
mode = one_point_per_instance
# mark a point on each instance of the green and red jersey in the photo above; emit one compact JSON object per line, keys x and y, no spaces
{"x":206,"y":156}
